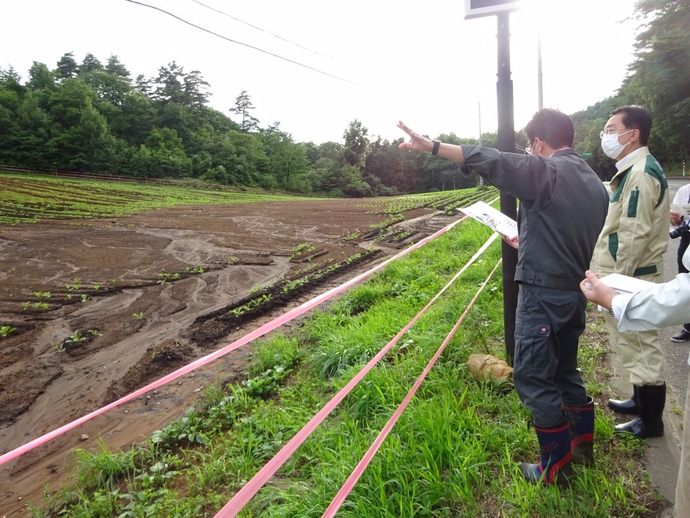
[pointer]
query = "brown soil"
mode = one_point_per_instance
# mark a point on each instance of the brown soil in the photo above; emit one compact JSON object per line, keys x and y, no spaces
{"x":96,"y":275}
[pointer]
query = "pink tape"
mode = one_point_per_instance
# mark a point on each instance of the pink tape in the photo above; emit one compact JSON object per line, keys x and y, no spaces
{"x":359,"y":469}
{"x":252,"y":487}
{"x":264,"y":329}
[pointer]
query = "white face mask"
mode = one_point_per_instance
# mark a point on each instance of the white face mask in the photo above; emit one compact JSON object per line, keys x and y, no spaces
{"x":609,"y":143}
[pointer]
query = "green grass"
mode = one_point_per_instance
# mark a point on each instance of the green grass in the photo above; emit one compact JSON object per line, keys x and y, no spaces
{"x":453,"y":453}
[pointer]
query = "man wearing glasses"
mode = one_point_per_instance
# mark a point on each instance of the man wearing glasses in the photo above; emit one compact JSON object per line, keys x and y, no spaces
{"x":632,"y":243}
{"x":562,"y":209}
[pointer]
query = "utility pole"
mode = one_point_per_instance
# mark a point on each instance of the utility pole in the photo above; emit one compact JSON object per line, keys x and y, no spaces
{"x":479,"y":112}
{"x":506,"y":142}
{"x":540,"y":88}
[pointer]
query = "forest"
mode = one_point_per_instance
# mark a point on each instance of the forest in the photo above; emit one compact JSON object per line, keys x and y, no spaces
{"x":94,"y":117}
{"x":658,"y":79}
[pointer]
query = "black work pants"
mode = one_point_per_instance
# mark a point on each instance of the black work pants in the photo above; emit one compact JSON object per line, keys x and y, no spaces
{"x":548,"y":325}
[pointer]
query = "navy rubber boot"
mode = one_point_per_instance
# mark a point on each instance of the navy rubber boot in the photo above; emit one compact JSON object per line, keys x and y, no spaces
{"x":581,"y":420}
{"x":554,"y":468}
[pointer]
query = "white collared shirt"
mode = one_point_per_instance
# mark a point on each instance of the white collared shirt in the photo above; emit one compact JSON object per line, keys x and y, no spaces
{"x":622,"y":164}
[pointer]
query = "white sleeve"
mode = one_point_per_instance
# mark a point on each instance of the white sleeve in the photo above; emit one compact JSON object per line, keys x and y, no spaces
{"x":619,"y":303}
{"x":659,"y":306}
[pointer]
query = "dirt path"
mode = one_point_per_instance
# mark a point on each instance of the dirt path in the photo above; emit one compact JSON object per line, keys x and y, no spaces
{"x":115,"y":277}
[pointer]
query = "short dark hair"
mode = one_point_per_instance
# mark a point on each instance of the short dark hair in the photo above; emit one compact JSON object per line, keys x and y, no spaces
{"x":552,"y":126}
{"x":636,"y":117}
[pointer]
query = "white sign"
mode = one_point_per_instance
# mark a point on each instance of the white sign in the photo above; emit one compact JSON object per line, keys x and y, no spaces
{"x":479,"y":8}
{"x":625,"y":284}
{"x":492,"y":218}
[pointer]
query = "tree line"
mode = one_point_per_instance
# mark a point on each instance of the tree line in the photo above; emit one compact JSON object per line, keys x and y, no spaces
{"x":94,"y":117}
{"x":658,"y":79}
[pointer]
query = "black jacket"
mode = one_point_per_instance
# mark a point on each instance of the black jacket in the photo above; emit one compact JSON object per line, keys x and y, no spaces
{"x":563,"y":205}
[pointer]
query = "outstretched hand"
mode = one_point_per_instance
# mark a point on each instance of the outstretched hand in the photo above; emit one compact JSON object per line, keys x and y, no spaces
{"x":596,"y":291}
{"x":417,"y":142}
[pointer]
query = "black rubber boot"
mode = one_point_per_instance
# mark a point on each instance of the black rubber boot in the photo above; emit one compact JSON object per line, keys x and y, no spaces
{"x":581,"y":419}
{"x":651,"y":400}
{"x":627,"y":406}
{"x":554,"y":468}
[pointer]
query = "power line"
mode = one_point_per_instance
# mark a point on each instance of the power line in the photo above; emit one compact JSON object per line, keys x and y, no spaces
{"x":269,"y":32}
{"x":240,"y":43}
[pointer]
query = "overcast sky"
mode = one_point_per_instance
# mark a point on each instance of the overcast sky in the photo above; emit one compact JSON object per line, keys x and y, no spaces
{"x":377,"y":61}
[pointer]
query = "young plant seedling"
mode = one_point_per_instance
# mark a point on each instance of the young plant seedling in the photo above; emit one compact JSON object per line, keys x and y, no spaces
{"x":76,"y":337}
{"x":6,"y":330}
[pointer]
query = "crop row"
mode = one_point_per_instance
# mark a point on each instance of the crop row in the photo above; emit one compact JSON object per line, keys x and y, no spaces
{"x":76,"y":291}
{"x":440,"y":201}
{"x":260,"y":300}
{"x":28,"y":199}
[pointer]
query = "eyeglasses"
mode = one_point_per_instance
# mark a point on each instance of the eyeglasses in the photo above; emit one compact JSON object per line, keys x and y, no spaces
{"x":611,"y":131}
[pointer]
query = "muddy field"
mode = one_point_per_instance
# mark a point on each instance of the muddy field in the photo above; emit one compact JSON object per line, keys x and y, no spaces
{"x":97,"y":309}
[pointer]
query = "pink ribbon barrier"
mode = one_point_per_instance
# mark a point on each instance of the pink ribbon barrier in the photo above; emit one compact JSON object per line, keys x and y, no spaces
{"x":359,"y":469}
{"x":252,"y":487}
{"x":264,"y":329}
